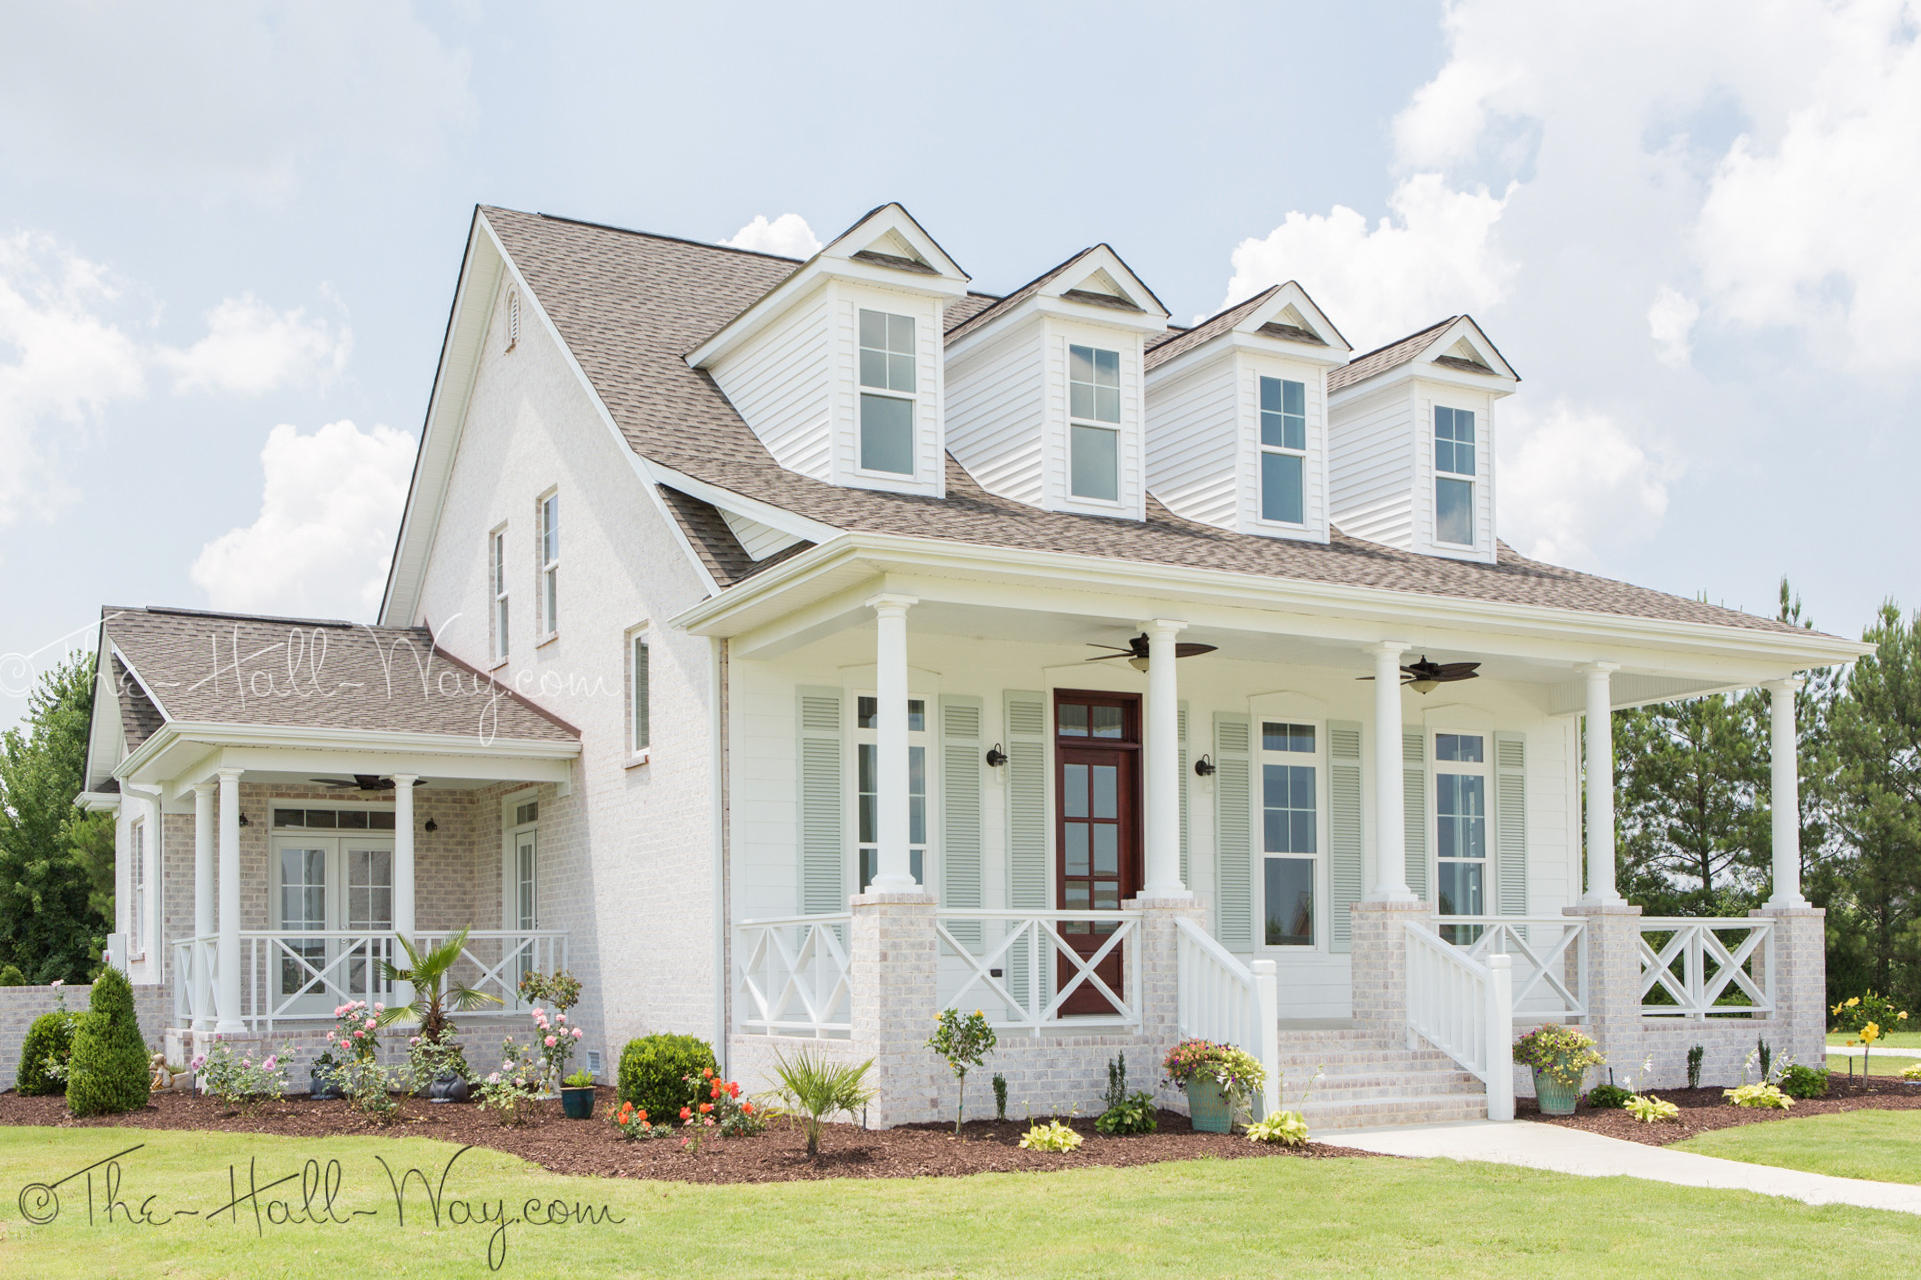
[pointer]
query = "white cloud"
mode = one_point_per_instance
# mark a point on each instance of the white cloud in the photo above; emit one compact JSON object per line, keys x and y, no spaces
{"x":329,"y":510}
{"x":1573,"y":485}
{"x":788,"y":235}
{"x":1671,"y":324}
{"x":251,"y":348}
{"x":1433,"y":257}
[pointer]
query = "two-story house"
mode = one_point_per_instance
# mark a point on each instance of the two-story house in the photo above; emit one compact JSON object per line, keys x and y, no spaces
{"x":796,"y":649}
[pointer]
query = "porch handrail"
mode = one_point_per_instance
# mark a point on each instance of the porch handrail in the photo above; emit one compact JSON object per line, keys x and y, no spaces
{"x":1032,"y":944}
{"x":1693,"y":944}
{"x":1220,"y":999}
{"x":1539,"y":966}
{"x":1464,"y":1008}
{"x":791,"y":977}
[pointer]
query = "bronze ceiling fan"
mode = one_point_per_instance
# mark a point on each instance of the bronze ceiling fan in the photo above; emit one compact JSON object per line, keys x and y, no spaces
{"x":365,"y":782}
{"x":1136,"y":651}
{"x":1425,"y":676}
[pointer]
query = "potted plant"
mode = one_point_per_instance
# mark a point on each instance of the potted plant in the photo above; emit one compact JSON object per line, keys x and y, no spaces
{"x":1219,"y":1080}
{"x":577,"y":1095}
{"x":321,"y":1083}
{"x":435,"y":993}
{"x":1559,"y":1057}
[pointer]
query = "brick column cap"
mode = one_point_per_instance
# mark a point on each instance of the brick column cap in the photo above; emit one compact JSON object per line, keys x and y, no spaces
{"x":1602,"y":909}
{"x":1415,"y":908}
{"x":1793,"y":913}
{"x":872,"y":899}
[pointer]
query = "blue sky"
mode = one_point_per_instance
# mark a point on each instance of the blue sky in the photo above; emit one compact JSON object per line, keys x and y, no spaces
{"x":229,"y":237}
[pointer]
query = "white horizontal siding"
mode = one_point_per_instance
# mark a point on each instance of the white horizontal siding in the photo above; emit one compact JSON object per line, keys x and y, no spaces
{"x":779,"y":384}
{"x":1193,"y":435}
{"x":757,"y":539}
{"x":995,"y":413}
{"x":1371,"y":475}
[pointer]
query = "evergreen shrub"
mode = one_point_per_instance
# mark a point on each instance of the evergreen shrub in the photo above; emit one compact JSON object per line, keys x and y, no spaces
{"x":108,"y":1072}
{"x":10,"y":976}
{"x":654,"y":1071}
{"x":49,"y":1039}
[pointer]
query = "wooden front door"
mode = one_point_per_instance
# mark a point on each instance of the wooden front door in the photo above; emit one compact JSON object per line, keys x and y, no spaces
{"x":1097,"y":789}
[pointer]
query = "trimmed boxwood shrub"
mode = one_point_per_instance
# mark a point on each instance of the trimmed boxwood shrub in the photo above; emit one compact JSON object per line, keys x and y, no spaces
{"x":1608,"y":1096}
{"x":1798,"y":1081}
{"x":10,"y":976}
{"x":50,"y":1037}
{"x":108,"y":1073}
{"x":652,"y":1071}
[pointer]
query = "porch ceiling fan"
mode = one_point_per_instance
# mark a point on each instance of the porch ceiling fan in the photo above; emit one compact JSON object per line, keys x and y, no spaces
{"x":364,"y":782}
{"x":1425,"y":676}
{"x":1136,"y":651}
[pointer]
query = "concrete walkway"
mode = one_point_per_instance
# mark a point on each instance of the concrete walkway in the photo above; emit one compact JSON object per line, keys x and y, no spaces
{"x":1590,"y":1155}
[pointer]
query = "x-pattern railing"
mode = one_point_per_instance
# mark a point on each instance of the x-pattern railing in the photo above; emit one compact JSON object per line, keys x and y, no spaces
{"x":1040,"y":941}
{"x":792,"y":977}
{"x":1708,"y":966}
{"x":340,"y":952}
{"x":1538,"y":965}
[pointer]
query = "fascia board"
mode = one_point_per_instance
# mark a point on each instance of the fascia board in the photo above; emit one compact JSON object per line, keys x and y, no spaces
{"x":773,"y":517}
{"x":1793,"y":651}
{"x":1101,"y":317}
{"x":1423,"y":371}
{"x":1464,"y":327}
{"x":1103,"y":258}
{"x":814,"y":274}
{"x":134,"y":671}
{"x":893,"y":216}
{"x":1292,"y":292}
{"x":1234,"y":340}
{"x":100,"y":742}
{"x":382,"y":741}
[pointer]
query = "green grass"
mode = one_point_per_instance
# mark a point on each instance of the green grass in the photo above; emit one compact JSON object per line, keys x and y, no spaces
{"x":1192,"y":1218}
{"x":1882,"y":1145}
{"x":1891,"y":1040}
{"x":1879,"y":1063}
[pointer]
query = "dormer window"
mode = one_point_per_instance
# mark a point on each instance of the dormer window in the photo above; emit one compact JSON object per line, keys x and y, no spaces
{"x":1283,"y":450}
{"x":1454,"y":476}
{"x":1094,"y":398}
{"x":886,"y":366}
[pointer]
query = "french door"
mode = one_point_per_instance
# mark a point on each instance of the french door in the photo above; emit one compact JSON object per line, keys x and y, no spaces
{"x":331,"y":884}
{"x":1097,"y":750}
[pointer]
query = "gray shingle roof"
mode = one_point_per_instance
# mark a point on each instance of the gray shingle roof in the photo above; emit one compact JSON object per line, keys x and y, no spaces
{"x":1381,"y":359}
{"x":629,"y":304}
{"x":139,"y":718}
{"x":714,"y":542}
{"x":296,"y":673}
{"x":1207,"y":330}
{"x":1013,"y":299}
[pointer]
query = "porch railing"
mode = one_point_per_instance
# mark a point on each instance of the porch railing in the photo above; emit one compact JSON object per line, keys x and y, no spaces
{"x":1549,"y":955}
{"x":1699,"y":968}
{"x":791,"y":977}
{"x":1220,"y":999}
{"x":1465,"y":1008}
{"x":1023,"y":967}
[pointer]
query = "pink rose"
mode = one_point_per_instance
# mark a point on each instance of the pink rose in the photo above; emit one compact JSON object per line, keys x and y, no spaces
{"x":550,"y":1042}
{"x":360,"y":1035}
{"x":562,"y":1017}
{"x":371,"y":1024}
{"x":577,"y":1033}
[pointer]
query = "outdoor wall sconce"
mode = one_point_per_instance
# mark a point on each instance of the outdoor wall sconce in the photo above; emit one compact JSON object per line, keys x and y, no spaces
{"x":243,"y":821}
{"x":1204,"y":768}
{"x":996,"y":757}
{"x":431,"y":826}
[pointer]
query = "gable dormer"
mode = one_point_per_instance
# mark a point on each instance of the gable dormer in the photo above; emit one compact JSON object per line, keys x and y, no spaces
{"x":1045,"y":388}
{"x":838,"y":368}
{"x":1411,"y":441}
{"x":1237,"y":416}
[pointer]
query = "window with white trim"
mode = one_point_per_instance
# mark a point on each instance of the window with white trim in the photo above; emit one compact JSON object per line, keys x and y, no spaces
{"x":1094,"y":402}
{"x":497,"y":573}
{"x":867,"y":788}
{"x":1283,"y":451}
{"x":137,"y":891}
{"x":1290,"y":833}
{"x":1454,"y":476}
{"x":887,"y":393}
{"x":640,"y":736}
{"x":1460,"y":830}
{"x":522,"y":888}
{"x":547,"y":589}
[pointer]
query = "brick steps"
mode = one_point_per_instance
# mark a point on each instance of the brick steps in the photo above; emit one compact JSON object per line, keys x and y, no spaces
{"x":1370,"y":1079}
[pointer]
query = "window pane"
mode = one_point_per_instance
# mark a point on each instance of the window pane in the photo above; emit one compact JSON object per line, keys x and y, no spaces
{"x":917,"y":795}
{"x":1271,"y":396}
{"x":873,"y":329}
{"x":1289,"y":902}
{"x":1074,"y":790}
{"x":916,"y":716}
{"x":380,"y":821}
{"x":1107,"y":792}
{"x":900,"y":335}
{"x":1077,"y":895}
{"x":1287,"y":804}
{"x":320,"y":818}
{"x":288,"y":817}
{"x":643,"y":732}
{"x":1107,"y":895}
{"x":865,"y":711}
{"x":1464,"y":747}
{"x":1454,"y":511}
{"x":1076,"y":851}
{"x":1093,"y":384}
{"x":1107,"y":849}
{"x":1286,"y":737}
{"x":1294,"y":399}
{"x":1080,"y":364}
{"x":353,"y":820}
{"x":865,"y":767}
{"x":887,"y":435}
{"x":1281,"y":497}
{"x":1460,"y":889}
{"x":1107,"y":404}
{"x":900,"y":373}
{"x":873,"y":368}
{"x":1094,"y":463}
{"x":1073,"y":720}
{"x":1107,"y":721}
{"x":1107,"y":368}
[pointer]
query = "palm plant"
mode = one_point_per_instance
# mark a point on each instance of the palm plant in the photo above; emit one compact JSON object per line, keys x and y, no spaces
{"x":435,"y":992}
{"x":815,"y":1088}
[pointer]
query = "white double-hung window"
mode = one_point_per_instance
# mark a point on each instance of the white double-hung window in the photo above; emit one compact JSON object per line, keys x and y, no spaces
{"x":1093,"y":430}
{"x":548,"y":570}
{"x":887,"y":393}
{"x":137,"y":887}
{"x":1290,"y":833}
{"x":1460,"y":829}
{"x":867,"y":783}
{"x":1454,"y":476}
{"x":639,"y":716}
{"x":1283,"y":451}
{"x":497,"y":575}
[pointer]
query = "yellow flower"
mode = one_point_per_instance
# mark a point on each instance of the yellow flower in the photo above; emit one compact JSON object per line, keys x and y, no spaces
{"x":1902,"y":1016}
{"x":977,"y":1013}
{"x":1870,"y":1033}
{"x":1853,"y":1000}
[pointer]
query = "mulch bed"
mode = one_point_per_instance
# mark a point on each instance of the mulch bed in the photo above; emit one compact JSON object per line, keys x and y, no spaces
{"x":593,"y":1147}
{"x":1706,"y":1109}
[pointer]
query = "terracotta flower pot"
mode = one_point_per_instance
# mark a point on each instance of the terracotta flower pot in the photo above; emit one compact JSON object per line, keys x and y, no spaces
{"x":1207,"y":1106}
{"x":578,"y":1103}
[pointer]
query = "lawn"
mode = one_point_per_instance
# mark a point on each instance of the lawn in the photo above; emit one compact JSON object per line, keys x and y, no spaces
{"x":1892,"y":1040}
{"x":1882,"y":1145}
{"x":1190,"y":1218}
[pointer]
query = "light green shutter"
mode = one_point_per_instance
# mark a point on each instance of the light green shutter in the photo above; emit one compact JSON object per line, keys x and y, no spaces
{"x":823,"y":847}
{"x":960,"y":836}
{"x":1234,"y":831}
{"x":1414,"y":805}
{"x":1510,"y":811}
{"x":1186,"y":878}
{"x":1027,"y":824}
{"x":1346,"y":853}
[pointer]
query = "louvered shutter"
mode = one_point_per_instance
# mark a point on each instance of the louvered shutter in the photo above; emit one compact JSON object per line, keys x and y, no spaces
{"x":1510,"y":809}
{"x":1414,"y":806}
{"x":1234,"y":831}
{"x":823,"y":847}
{"x":1346,"y":853}
{"x":960,"y":723}
{"x":1026,"y":827}
{"x":1186,"y":878}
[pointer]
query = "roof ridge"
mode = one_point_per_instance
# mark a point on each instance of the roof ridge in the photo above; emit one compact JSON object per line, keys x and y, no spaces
{"x":179,"y":611}
{"x":1406,"y":337}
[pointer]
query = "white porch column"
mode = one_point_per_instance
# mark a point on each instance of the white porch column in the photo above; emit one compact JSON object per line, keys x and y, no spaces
{"x":1390,"y":830}
{"x":1785,"y":792}
{"x":229,"y":1022}
{"x":404,"y":855}
{"x":1162,"y":749}
{"x":893,"y":872}
{"x":1600,"y":785}
{"x":200,"y":995}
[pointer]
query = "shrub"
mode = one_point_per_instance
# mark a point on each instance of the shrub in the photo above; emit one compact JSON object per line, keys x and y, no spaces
{"x":1758,"y":1095}
{"x":367,"y":1086}
{"x":816,"y":1088}
{"x":108,"y":1071}
{"x":1052,"y":1136}
{"x":431,"y":1060}
{"x":1289,"y":1128}
{"x":555,"y":1042}
{"x":10,"y":976}
{"x":49,"y":1044}
{"x":1608,"y":1097}
{"x":714,"y":1103}
{"x":240,"y":1082}
{"x":506,"y":1092}
{"x":1000,"y":1096}
{"x":1648,"y":1110}
{"x":1856,"y":1012}
{"x":1695,"y":1055}
{"x":1125,"y":1112}
{"x":653,"y":1070}
{"x":1559,"y":1052}
{"x":1798,"y":1081}
{"x":633,"y":1124}
{"x":962,"y":1039}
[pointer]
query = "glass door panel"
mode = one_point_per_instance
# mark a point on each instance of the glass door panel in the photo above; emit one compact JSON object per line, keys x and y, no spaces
{"x":303,"y":905}
{"x":370,"y":909}
{"x":1097,"y":829}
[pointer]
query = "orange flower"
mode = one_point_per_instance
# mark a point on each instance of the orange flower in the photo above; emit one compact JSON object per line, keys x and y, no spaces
{"x":707,"y":1073}
{"x":642,"y":1115}
{"x":733,"y":1089}
{"x":684,"y":1113}
{"x":705,"y":1107}
{"x":715,"y":1091}
{"x":747,"y":1108}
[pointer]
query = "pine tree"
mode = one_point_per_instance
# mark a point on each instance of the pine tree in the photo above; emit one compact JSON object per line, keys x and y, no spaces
{"x":108,"y":1071}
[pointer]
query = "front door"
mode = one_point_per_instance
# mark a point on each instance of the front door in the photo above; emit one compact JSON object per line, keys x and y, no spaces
{"x":336,"y":889}
{"x":1097,"y":749}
